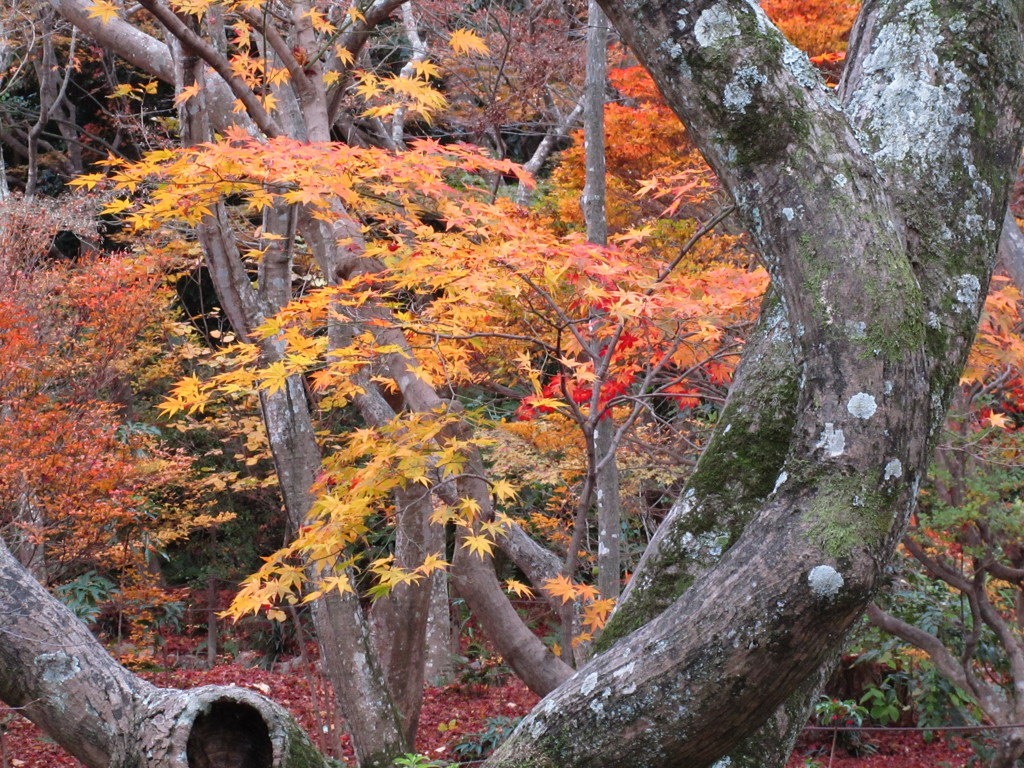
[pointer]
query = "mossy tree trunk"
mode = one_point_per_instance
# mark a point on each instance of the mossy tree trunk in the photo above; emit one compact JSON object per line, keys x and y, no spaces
{"x":877,"y":210}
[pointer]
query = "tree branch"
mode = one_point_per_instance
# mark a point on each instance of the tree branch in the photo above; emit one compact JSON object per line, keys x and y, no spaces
{"x":220,"y":65}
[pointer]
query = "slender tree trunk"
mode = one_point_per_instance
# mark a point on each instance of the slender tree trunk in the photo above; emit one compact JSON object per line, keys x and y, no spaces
{"x":52,"y":92}
{"x":27,"y":537}
{"x":593,"y":199}
{"x":342,"y":629}
{"x":559,"y":129}
{"x":609,"y":511}
{"x":594,"y":204}
{"x":437,"y":668}
{"x":211,"y":621}
{"x":5,"y":190}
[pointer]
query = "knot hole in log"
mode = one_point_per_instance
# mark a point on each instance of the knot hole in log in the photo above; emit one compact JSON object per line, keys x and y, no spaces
{"x":230,"y":735}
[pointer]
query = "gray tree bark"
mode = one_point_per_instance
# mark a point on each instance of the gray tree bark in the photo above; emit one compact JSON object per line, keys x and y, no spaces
{"x":878,"y":218}
{"x":59,"y":677}
{"x":594,"y":204}
{"x":593,"y":198}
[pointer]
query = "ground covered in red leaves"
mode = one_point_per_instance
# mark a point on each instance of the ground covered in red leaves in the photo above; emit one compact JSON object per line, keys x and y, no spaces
{"x":888,"y":749}
{"x":450,"y":715}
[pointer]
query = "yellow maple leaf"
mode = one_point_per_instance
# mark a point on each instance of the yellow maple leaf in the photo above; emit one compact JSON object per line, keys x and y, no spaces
{"x":560,"y":586}
{"x":124,"y":89}
{"x":595,"y":615}
{"x":320,"y":23}
{"x":587,"y":591}
{"x":443,"y":516}
{"x":344,"y":56}
{"x":104,"y":10}
{"x":426,"y":69}
{"x":275,"y":377}
{"x":340,"y":583}
{"x":583,"y":637}
{"x":117,"y":205}
{"x":463,"y":41}
{"x":517,"y":588}
{"x":186,"y":93}
{"x":998,"y":420}
{"x":431,"y":563}
{"x":385,"y":110}
{"x":481,"y":545}
{"x":503,"y":490}
{"x":88,"y":180}
{"x":548,"y":402}
{"x":186,"y":394}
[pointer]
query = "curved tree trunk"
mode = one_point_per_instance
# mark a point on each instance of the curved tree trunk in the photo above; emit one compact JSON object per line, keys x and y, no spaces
{"x":880,"y":248}
{"x":58,"y":676}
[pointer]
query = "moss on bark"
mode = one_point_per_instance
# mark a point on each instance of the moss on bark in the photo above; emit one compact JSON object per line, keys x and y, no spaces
{"x":737,"y":471}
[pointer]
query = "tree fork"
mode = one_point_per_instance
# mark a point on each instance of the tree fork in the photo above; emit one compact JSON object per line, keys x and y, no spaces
{"x":782,"y":145}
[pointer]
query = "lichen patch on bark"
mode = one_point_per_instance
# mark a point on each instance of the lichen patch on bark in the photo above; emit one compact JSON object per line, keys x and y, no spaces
{"x":57,"y":667}
{"x":833,"y":441}
{"x":715,"y":25}
{"x":894,"y":469}
{"x":862,"y":405}
{"x":825,"y":581}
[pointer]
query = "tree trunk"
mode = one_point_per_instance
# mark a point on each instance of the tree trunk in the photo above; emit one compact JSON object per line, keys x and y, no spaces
{"x":341,"y":625}
{"x":880,"y":284}
{"x":438,"y":665}
{"x":593,"y":199}
{"x":58,"y":676}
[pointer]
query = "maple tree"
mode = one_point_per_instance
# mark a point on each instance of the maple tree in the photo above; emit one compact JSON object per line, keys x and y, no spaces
{"x":194,"y":206}
{"x":89,"y":487}
{"x":382,"y":97}
{"x":649,"y":330}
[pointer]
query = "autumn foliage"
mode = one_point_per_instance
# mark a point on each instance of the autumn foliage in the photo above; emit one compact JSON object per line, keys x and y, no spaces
{"x":479,"y":291}
{"x":475,"y":294}
{"x":534,"y":337}
{"x":818,"y":27}
{"x":88,"y":486}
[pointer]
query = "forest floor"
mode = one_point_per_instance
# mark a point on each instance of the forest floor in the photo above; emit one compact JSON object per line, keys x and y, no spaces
{"x":451,"y":715}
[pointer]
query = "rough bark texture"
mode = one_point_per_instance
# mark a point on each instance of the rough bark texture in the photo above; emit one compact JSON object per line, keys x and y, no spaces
{"x":62,"y":679}
{"x":878,"y":224}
